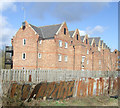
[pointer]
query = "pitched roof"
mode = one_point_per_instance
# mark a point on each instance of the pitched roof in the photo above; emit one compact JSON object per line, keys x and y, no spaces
{"x":46,"y":31}
{"x":96,"y":40}
{"x":90,"y":40}
{"x":101,"y":42}
{"x":82,"y":37}
{"x":71,"y":33}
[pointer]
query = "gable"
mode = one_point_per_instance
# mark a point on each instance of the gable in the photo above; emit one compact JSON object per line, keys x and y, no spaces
{"x":46,"y":31}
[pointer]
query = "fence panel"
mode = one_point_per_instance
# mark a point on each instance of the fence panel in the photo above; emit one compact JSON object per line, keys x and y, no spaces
{"x":37,"y":76}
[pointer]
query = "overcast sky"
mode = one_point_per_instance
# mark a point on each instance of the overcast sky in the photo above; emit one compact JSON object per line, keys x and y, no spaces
{"x":97,"y":19}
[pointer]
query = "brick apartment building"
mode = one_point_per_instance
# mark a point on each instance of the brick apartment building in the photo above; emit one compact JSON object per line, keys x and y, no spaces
{"x":55,"y":47}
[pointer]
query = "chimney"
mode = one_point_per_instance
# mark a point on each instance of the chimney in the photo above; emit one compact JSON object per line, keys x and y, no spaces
{"x":23,"y":25}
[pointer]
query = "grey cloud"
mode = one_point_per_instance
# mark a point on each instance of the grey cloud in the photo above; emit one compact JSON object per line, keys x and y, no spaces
{"x":66,"y":11}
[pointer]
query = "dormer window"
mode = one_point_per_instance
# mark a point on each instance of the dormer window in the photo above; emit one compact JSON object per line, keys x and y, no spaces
{"x":64,"y":31}
{"x":77,"y":36}
{"x":86,"y":41}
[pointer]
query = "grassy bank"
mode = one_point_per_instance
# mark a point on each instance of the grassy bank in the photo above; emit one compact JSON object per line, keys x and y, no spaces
{"x":83,"y":101}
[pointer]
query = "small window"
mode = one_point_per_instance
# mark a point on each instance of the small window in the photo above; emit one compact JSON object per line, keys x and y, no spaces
{"x":66,"y":58}
{"x":40,"y":41}
{"x":24,"y":41}
{"x":39,"y":55}
{"x":87,"y":61}
{"x":60,"y":43}
{"x":59,"y":57}
{"x":65,"y":31}
{"x":98,"y":48}
{"x":77,"y":36}
{"x":86,"y":41}
{"x":66,"y":45}
{"x":87,"y":51}
{"x":23,"y":56}
{"x":99,"y":62}
{"x":83,"y":58}
{"x":71,"y":41}
{"x":82,"y":69}
{"x":82,"y":66}
{"x":115,"y":52}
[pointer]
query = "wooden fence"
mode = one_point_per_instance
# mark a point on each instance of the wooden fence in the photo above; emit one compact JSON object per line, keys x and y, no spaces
{"x":36,"y":76}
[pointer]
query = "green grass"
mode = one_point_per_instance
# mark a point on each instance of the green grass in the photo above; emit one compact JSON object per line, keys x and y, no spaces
{"x":82,"y":101}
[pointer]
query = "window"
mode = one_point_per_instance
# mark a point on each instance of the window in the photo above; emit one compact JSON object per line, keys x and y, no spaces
{"x":82,"y":69}
{"x":99,"y":62}
{"x":23,"y":56}
{"x":71,"y":41}
{"x":24,"y":41}
{"x":39,"y":55}
{"x":93,"y":44}
{"x":87,"y":51}
{"x":77,"y":36}
{"x":98,"y":48}
{"x":40,"y":42}
{"x":66,"y":45}
{"x":65,"y":31}
{"x":59,"y":57}
{"x":66,"y":58}
{"x":86,"y":41}
{"x":87,"y":61}
{"x":60,"y":43}
{"x":83,"y":58}
{"x":82,"y":66}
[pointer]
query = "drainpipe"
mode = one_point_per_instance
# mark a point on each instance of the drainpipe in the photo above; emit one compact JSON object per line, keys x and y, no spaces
{"x":74,"y":58}
{"x":37,"y":56}
{"x":92,"y":61}
{"x":103,"y":62}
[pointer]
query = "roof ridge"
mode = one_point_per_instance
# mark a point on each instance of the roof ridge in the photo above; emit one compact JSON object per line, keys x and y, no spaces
{"x":71,"y":31}
{"x":49,"y":25}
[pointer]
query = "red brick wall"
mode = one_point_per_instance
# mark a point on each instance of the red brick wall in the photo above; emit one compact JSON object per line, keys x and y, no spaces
{"x":49,"y":50}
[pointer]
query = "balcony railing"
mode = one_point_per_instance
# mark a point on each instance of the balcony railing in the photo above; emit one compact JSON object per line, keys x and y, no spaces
{"x":9,"y":48}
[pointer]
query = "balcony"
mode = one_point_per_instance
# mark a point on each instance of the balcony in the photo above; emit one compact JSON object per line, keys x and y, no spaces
{"x":9,"y":49}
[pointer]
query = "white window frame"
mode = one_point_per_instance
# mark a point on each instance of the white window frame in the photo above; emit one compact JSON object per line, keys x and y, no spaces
{"x":40,"y":42}
{"x":60,"y":43}
{"x":98,"y":48}
{"x":66,"y":45}
{"x":87,"y":61}
{"x":99,"y":62}
{"x":82,"y":69}
{"x":22,"y":56}
{"x":83,"y":59}
{"x":24,"y":40}
{"x":40,"y":55}
{"x":59,"y":57}
{"x":87,"y":51}
{"x":66,"y":58}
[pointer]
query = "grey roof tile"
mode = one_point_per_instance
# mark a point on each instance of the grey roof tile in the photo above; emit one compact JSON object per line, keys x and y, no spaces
{"x":96,"y":40}
{"x":46,"y":31}
{"x":90,"y":40}
{"x":71,"y":33}
{"x":82,"y":37}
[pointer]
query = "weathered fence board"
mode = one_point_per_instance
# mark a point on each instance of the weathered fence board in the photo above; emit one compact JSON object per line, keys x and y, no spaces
{"x":37,"y":76}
